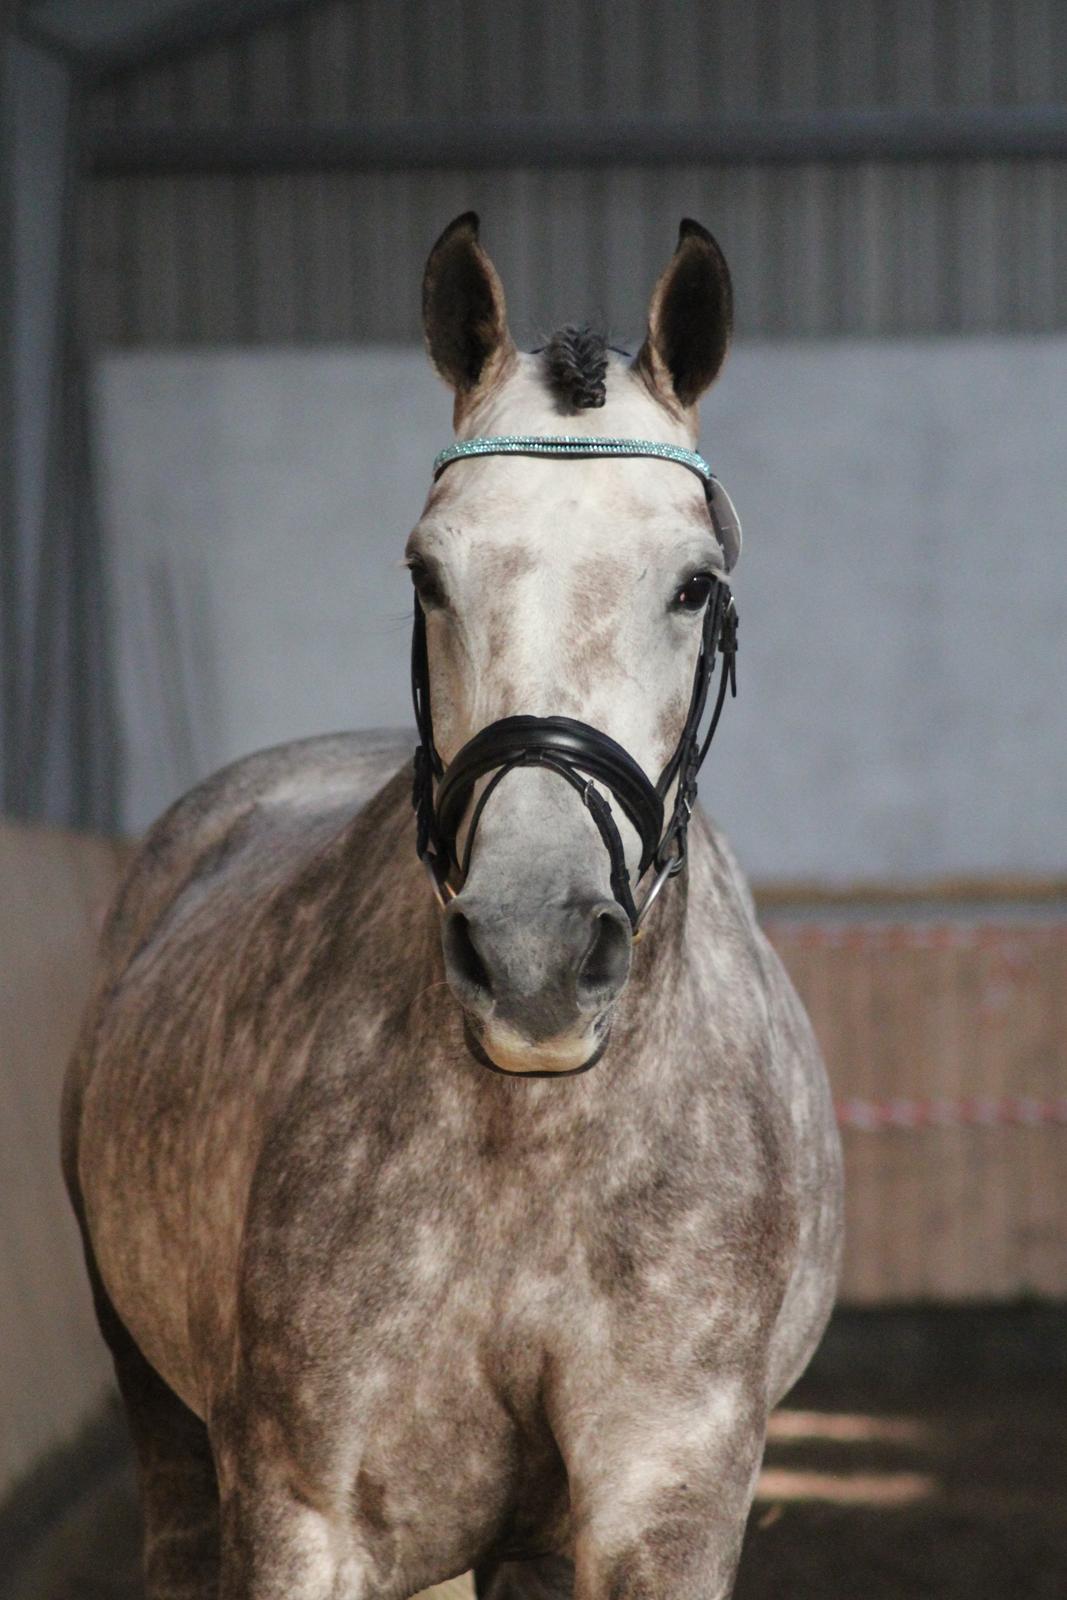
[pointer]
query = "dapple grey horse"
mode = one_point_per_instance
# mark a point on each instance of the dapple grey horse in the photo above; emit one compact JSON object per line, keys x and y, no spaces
{"x":393,"y":1291}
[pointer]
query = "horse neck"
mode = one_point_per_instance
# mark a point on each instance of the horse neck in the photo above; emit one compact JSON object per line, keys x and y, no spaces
{"x":658,"y":977}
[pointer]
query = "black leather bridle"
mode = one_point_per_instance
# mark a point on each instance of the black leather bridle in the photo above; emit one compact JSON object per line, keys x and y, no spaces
{"x":583,"y":756}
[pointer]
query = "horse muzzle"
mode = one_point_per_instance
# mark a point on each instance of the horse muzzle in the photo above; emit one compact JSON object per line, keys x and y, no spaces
{"x":537,"y":988}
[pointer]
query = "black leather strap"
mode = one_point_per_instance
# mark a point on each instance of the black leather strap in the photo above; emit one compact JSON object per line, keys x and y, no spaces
{"x":598,"y":808}
{"x":719,"y":635}
{"x":428,"y":764}
{"x":557,"y":742}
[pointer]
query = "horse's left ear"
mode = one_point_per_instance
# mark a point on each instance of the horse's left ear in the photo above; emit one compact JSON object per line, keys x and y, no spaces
{"x":689,"y":320}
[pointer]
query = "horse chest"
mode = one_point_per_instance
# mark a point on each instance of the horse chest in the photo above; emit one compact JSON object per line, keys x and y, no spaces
{"x":592,"y":1256}
{"x":428,"y":1334}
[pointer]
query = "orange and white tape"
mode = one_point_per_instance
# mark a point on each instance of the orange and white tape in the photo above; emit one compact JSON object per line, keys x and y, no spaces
{"x":975,"y":1111}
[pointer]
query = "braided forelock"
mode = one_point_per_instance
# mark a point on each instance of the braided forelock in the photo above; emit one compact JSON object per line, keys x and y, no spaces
{"x":576,"y":360}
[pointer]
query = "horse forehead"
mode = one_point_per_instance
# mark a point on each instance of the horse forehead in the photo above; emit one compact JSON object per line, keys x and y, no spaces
{"x":580,"y":520}
{"x":545,"y":510}
{"x":567,"y":547}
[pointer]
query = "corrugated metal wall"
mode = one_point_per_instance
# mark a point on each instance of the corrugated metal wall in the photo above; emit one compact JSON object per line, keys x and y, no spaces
{"x":819,"y":248}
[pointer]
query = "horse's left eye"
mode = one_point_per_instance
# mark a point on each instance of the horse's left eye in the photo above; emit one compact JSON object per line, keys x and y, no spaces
{"x":694,"y":593}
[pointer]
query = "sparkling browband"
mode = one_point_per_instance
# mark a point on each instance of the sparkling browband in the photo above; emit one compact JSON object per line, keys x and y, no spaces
{"x":579,"y":444}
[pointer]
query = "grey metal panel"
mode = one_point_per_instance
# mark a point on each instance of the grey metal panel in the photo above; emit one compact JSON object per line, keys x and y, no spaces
{"x":98,"y":271}
{"x":208,"y":89}
{"x":871,"y":249}
{"x":213,"y":304}
{"x":328,"y":69}
{"x":161,"y":228}
{"x":137,"y":32}
{"x":875,"y":247}
{"x":656,"y":57}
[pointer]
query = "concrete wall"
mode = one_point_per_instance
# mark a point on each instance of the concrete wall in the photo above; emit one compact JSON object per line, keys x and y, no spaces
{"x":54,"y":889}
{"x":903,"y":589}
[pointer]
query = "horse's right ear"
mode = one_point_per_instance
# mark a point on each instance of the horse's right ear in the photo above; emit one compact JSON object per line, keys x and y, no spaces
{"x":463,"y":311}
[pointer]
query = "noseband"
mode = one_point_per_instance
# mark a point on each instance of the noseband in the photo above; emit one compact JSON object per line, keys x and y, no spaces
{"x":583,"y":756}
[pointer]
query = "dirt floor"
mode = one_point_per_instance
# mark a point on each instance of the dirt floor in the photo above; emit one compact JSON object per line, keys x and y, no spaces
{"x":924,"y":1455}
{"x":957,"y":1490}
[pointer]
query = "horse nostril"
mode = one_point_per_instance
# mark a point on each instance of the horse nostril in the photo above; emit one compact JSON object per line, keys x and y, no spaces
{"x":465,"y":965}
{"x":606,"y":963}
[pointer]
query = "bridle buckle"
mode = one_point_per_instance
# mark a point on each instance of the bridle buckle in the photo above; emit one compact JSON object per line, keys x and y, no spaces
{"x":443,"y":891}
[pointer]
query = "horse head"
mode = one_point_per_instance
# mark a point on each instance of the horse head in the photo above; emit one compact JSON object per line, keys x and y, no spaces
{"x":574,"y":589}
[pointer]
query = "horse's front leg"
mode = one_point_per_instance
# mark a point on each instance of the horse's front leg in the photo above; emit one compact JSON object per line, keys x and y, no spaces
{"x":281,"y":1541}
{"x":176,"y":1472}
{"x":288,"y":1527}
{"x":661,"y":1495}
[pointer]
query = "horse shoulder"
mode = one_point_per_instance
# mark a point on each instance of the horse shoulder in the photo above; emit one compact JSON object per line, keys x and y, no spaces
{"x":266,"y":808}
{"x":248,"y":823}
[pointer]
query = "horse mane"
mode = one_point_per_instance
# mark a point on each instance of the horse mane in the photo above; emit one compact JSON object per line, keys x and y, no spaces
{"x":576,"y":362}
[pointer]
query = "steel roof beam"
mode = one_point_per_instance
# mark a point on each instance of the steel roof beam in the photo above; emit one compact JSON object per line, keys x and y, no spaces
{"x":998,"y":133}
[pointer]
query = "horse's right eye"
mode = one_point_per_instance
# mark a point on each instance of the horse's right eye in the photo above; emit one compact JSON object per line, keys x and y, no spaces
{"x":427,"y":583}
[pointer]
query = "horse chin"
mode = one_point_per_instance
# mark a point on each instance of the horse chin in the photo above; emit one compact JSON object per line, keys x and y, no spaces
{"x":503,"y":1050}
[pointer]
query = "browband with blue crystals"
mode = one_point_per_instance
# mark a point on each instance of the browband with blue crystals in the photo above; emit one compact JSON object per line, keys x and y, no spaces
{"x":720,"y":507}
{"x":567,"y":444}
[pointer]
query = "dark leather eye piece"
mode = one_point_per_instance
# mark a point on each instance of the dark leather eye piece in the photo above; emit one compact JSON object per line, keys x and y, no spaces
{"x":694,"y":593}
